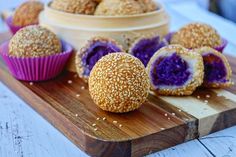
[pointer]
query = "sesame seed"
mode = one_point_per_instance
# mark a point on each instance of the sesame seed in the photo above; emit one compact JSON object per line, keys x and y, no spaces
{"x":82,"y":87}
{"x":95,"y":129}
{"x":94,"y":124}
{"x":168,"y":118}
{"x":104,"y":118}
{"x":180,"y":110}
{"x":206,"y":101}
{"x":77,"y":95}
{"x":198,"y":97}
{"x":76,"y":115}
{"x":69,"y":82}
{"x":31,"y":83}
{"x":98,"y":118}
{"x":173,"y":114}
{"x":120,"y":125}
{"x":166,"y":114}
{"x":208,"y":96}
{"x":162,"y":128}
{"x":115,"y":122}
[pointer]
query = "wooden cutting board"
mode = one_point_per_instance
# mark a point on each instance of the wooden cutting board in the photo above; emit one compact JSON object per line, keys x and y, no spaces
{"x":160,"y":123}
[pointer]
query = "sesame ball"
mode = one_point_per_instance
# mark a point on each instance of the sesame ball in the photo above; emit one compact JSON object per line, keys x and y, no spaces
{"x":75,"y":6}
{"x":27,"y":13}
{"x":34,"y":41}
{"x":118,"y":7}
{"x":119,"y":83}
{"x":147,"y":5}
{"x":196,"y":35}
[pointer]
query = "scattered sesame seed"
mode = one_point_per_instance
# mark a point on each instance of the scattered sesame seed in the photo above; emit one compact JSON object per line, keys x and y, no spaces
{"x":180,"y":110}
{"x":94,"y":124}
{"x":75,"y":76}
{"x":162,"y":128}
{"x":208,"y":96}
{"x":76,"y":115}
{"x":82,"y":87}
{"x":120,"y":125}
{"x":198,"y":97}
{"x":115,"y":122}
{"x":173,"y":114}
{"x":77,"y":95}
{"x":98,"y":118}
{"x":95,"y":129}
{"x":206,"y":101}
{"x":104,"y":118}
{"x":168,"y":118}
{"x":69,"y":81}
{"x":31,"y":83}
{"x":166,"y":114}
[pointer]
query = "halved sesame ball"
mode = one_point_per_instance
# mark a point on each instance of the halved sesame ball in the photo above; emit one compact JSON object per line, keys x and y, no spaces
{"x":218,"y":72}
{"x":144,"y":48}
{"x":196,"y":35}
{"x":96,"y":48}
{"x":118,"y":7}
{"x":75,"y":6}
{"x":119,"y":83}
{"x":27,"y":13}
{"x":34,"y":41}
{"x":175,"y":70}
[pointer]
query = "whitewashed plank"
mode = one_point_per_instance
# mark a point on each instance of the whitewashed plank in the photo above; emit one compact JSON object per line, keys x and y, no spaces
{"x":222,"y":143}
{"x":189,"y":149}
{"x":23,"y":133}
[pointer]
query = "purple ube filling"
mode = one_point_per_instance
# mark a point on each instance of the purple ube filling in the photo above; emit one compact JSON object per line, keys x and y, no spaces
{"x":215,"y":70}
{"x":145,"y":49}
{"x":96,"y":51}
{"x":170,"y":71}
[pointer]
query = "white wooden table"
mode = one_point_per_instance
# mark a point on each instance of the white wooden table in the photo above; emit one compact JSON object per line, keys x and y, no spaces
{"x":24,"y":133}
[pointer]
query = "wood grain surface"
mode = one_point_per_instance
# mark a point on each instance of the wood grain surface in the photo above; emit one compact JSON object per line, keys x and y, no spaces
{"x":160,"y":123}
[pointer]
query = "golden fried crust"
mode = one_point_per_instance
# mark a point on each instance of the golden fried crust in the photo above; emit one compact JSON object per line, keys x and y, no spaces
{"x":75,"y":6}
{"x":27,"y":13}
{"x":206,"y":50}
{"x":119,"y":83}
{"x":118,"y":7}
{"x":196,"y":35}
{"x":78,"y":59}
{"x":34,"y":41}
{"x":147,"y":5}
{"x":197,"y":73}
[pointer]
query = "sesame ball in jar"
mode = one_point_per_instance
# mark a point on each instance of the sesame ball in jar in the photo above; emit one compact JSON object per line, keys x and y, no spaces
{"x":75,"y":6}
{"x":118,"y":8}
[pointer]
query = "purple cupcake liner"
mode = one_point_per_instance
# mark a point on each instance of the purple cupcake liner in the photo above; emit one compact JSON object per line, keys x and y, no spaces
{"x":36,"y":68}
{"x":219,"y":48}
{"x":12,"y":27}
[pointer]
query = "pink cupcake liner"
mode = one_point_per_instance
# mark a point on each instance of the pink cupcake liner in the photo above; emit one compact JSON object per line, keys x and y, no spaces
{"x":219,"y":48}
{"x":36,"y":68}
{"x":12,"y":27}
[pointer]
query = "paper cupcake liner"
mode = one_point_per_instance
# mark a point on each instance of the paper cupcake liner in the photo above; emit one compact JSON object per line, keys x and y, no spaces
{"x":219,"y":48}
{"x":36,"y":68}
{"x":12,"y":27}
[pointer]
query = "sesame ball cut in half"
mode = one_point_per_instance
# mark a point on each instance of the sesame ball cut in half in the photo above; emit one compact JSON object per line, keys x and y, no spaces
{"x":197,"y":35}
{"x":118,"y":8}
{"x":34,"y":41}
{"x":75,"y":6}
{"x":144,"y":48}
{"x":119,"y":83}
{"x":27,"y":13}
{"x":95,"y":49}
{"x":175,"y":70}
{"x":218,"y":72}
